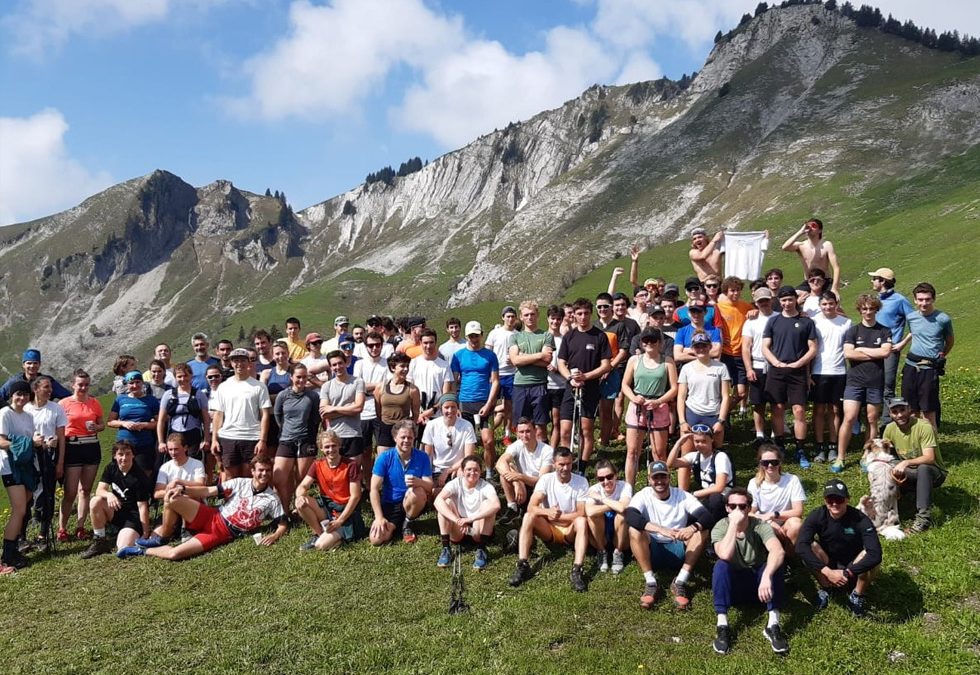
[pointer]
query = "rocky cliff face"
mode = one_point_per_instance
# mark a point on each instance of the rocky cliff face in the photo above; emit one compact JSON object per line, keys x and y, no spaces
{"x":793,"y":101}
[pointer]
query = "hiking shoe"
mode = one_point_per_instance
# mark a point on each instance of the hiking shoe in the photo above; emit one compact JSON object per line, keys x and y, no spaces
{"x":775,"y":636}
{"x":445,"y":558}
{"x":578,"y":583}
{"x":81,"y":534}
{"x":510,"y":515}
{"x":681,"y":599}
{"x":513,"y":537}
{"x":62,"y":535}
{"x":837,"y":466}
{"x":309,"y":544}
{"x":99,"y":546}
{"x":801,"y":459}
{"x":921,"y":523}
{"x":617,"y":561}
{"x":130,"y":552}
{"x":855,"y":603}
{"x":821,"y":457}
{"x":723,"y":640}
{"x":521,"y":573}
{"x":833,"y":454}
{"x":153,"y":541}
{"x":15,"y":559}
{"x":408,"y":535}
{"x":823,"y":599}
{"x":480,"y":561}
{"x":603,"y":559}
{"x":649,"y":596}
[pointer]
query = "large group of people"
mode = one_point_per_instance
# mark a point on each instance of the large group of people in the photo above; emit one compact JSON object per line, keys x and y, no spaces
{"x":381,"y":417}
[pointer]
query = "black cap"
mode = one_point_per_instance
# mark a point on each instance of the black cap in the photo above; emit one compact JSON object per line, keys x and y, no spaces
{"x":692,"y":282}
{"x":835,"y":488}
{"x":786,"y":292}
{"x":657,"y":310}
{"x":20,"y":387}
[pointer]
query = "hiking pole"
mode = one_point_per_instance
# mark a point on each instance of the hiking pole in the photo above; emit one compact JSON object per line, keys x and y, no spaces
{"x":653,"y":452}
{"x":576,"y":426}
{"x":457,"y":601}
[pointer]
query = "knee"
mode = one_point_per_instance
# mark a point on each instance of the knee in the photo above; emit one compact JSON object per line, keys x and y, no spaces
{"x":301,"y":502}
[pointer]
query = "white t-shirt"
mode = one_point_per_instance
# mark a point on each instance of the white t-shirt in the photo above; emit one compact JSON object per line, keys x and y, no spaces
{"x":621,"y":491}
{"x":671,"y":513}
{"x":743,"y":253}
{"x":244,"y":508}
{"x":753,"y":329}
{"x":430,"y":377}
{"x":193,"y":469}
{"x":566,"y":496}
{"x":47,"y":418}
{"x":704,"y":385}
{"x":361,"y":352}
{"x":531,"y":462}
{"x":499,"y":341}
{"x":469,"y":502}
{"x":309,"y":361}
{"x":830,"y":344}
{"x":723,"y":464}
{"x":780,"y":496}
{"x":370,"y":371}
{"x":241,"y":401}
{"x":448,"y":445}
{"x":13,"y":423}
{"x":450,"y":347}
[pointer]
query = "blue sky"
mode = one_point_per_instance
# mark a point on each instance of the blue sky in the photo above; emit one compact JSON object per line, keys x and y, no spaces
{"x":308,"y":96}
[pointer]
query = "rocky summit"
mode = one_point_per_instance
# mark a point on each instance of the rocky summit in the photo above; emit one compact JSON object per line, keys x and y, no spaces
{"x":797,"y":110}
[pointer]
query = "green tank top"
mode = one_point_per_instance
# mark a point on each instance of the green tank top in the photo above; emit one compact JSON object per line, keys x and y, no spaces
{"x":650,"y":382}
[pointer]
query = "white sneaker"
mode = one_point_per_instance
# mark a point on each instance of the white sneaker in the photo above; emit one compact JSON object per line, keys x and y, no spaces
{"x":603,"y":561}
{"x":617,"y":561}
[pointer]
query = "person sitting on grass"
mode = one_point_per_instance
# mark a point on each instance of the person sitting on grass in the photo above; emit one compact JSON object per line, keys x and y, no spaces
{"x":122,"y":498}
{"x":181,"y":469}
{"x":555,"y":514}
{"x":447,"y":440}
{"x":749,"y":569}
{"x":334,"y":517}
{"x":466,"y":507}
{"x":247,"y":503}
{"x":777,"y":497}
{"x":401,"y":483}
{"x":840,"y":547}
{"x":604,"y":509}
{"x":668,"y":529}
{"x":712,"y":469}
{"x":521,"y":467}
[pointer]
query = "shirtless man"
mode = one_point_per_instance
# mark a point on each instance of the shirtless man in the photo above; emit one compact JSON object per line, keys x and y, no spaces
{"x":705,"y":254}
{"x":815,"y":252}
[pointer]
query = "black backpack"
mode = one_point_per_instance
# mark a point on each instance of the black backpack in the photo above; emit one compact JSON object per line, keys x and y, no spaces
{"x":193,"y":407}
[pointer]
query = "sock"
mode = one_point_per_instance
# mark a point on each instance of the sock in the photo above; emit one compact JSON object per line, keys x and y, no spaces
{"x":683,"y":576}
{"x":522,"y":561}
{"x":820,"y":448}
{"x":650,"y":578}
{"x":481,"y":545}
{"x":723,"y":619}
{"x":512,"y":506}
{"x":773,"y":618}
{"x":759,"y":434}
{"x":779,"y":441}
{"x":407,"y":524}
{"x":9,"y":545}
{"x":99,"y":532}
{"x":445,"y":540}
{"x":489,"y":473}
{"x":799,"y":444}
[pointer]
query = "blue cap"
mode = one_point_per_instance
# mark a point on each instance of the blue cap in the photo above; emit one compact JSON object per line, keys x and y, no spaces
{"x":658,"y":468}
{"x":133,"y":375}
{"x":31,"y":355}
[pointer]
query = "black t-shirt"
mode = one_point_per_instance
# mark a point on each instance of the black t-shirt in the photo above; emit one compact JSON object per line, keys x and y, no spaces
{"x":584,"y":350}
{"x":842,"y":540}
{"x":666,"y":345}
{"x":625,"y":330}
{"x":870,"y":374}
{"x":790,"y":336}
{"x":131,"y":487}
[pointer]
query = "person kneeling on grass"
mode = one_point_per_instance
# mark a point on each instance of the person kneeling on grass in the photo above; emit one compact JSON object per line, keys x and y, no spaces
{"x":607,"y":501}
{"x":335,"y":516}
{"x":122,"y":499}
{"x":466,"y":507}
{"x":247,"y":502}
{"x":841,"y":548}
{"x":556,"y":514}
{"x":663,"y":535}
{"x":401,"y":483}
{"x":749,"y":569}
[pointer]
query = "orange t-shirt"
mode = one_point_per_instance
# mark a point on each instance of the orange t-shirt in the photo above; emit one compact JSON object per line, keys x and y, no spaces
{"x":80,"y":412}
{"x":732,"y":319}
{"x":334,"y":482}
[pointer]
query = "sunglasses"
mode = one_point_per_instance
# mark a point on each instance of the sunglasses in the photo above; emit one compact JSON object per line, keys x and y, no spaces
{"x":372,"y":345}
{"x":711,"y":285}
{"x":610,"y":476}
{"x":701,"y":429}
{"x":213,"y":377}
{"x":834,"y":499}
{"x":316,"y":342}
{"x":740,"y":507}
{"x":769,"y":462}
{"x":603,"y":306}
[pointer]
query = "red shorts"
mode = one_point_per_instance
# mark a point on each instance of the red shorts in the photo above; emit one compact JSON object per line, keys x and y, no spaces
{"x":210,"y":528}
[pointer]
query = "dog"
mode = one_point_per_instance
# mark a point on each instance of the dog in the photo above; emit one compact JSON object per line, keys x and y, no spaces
{"x":881,"y":506}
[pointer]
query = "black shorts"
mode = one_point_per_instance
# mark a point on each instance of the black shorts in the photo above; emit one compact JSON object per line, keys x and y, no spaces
{"x":470,"y":408}
{"x":920,"y":388}
{"x":787,"y":385}
{"x":394,"y":513}
{"x":367,"y":432}
{"x":82,"y":451}
{"x":149,"y":459}
{"x":235,"y":452}
{"x":736,"y":368}
{"x":828,"y":388}
{"x":554,"y":397}
{"x":130,"y":518}
{"x":192,"y":439}
{"x":382,"y":434}
{"x":296,"y":449}
{"x":864,"y":395}
{"x":9,"y":481}
{"x":351,"y":447}
{"x":590,"y":401}
{"x":531,"y":401}
{"x":757,"y":389}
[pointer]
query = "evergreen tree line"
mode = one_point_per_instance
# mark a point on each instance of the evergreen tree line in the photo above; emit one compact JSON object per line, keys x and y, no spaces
{"x":387,"y":175}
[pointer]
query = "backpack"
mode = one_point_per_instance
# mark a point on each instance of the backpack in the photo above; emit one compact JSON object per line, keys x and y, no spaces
{"x":712,"y":473}
{"x":193,"y":407}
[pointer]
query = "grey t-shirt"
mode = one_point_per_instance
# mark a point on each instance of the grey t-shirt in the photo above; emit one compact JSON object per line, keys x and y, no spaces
{"x":335,"y":392}
{"x":297,"y":415}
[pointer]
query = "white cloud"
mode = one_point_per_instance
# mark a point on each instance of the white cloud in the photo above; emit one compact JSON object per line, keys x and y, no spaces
{"x":37,"y":174}
{"x":942,"y":15}
{"x":634,"y":24}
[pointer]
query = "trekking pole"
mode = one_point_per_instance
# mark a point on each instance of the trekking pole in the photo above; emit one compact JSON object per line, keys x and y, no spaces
{"x":457,"y":600}
{"x":653,"y":454}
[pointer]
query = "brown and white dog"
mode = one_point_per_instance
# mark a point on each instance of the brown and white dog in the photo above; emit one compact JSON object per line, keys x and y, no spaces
{"x":881,"y":506}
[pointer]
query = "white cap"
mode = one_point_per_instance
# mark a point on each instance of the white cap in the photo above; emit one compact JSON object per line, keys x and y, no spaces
{"x":473,"y":328}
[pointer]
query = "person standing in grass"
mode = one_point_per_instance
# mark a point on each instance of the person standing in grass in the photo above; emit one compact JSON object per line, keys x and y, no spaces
{"x":401,"y":483}
{"x":242,"y":411}
{"x":931,"y":336}
{"x":134,"y":414}
{"x":650,"y":384}
{"x":466,"y":507}
{"x":829,"y":378}
{"x":710,"y":467}
{"x":121,"y":499}
{"x":335,"y":516}
{"x":82,"y":453}
{"x":447,"y":440}
{"x":17,"y":442}
{"x":749,"y":570}
{"x":477,"y":373}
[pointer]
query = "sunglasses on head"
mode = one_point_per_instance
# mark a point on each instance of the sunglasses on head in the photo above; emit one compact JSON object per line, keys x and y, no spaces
{"x":701,"y":429}
{"x":769,"y":462}
{"x":740,"y":507}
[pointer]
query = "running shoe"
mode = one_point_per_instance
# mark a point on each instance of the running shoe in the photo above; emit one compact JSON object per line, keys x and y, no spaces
{"x":617,"y":561}
{"x":776,"y":638}
{"x":445,"y":558}
{"x":480,"y":561}
{"x":723,"y":640}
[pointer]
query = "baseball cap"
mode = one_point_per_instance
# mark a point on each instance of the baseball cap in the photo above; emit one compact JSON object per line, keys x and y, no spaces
{"x":32,"y":355}
{"x":473,"y":328}
{"x":650,"y":282}
{"x":313,"y":337}
{"x":345,"y":339}
{"x":696,"y":307}
{"x":897,"y":402}
{"x":340,"y":321}
{"x":698,"y":230}
{"x":659,"y":468}
{"x":700,"y":339}
{"x":835,"y":488}
{"x":416,"y":321}
{"x":132,"y":376}
{"x":509,"y":309}
{"x":786,"y":292}
{"x":692,"y":282}
{"x":762,"y":293}
{"x":671,"y":288}
{"x":238,"y":354}
{"x":884,"y":273}
{"x":658,"y":310}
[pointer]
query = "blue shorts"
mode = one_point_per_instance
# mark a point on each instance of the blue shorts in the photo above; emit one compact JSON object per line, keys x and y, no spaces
{"x":668,"y":555}
{"x":507,"y":387}
{"x":693,"y":418}
{"x":531,"y":401}
{"x":612,"y":385}
{"x":610,"y":523}
{"x":864,"y":395}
